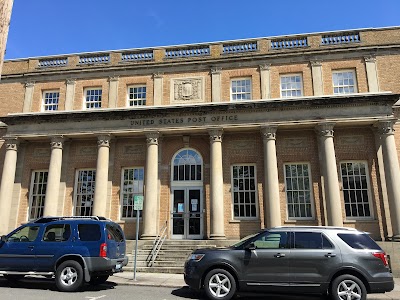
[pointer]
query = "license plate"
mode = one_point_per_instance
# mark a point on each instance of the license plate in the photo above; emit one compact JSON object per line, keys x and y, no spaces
{"x":118,"y":266}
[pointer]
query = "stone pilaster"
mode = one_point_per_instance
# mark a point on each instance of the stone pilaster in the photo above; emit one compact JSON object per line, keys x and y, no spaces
{"x":217,"y":230}
{"x":331,"y":179}
{"x":113,"y":91}
{"x":272,"y":209}
{"x":100,"y":190}
{"x":392,"y":172}
{"x":265,"y":81}
{"x":150,"y":205}
{"x":316,"y":70}
{"x":29,"y":87}
{"x":7,"y":183}
{"x":53,"y":183}
{"x":69,"y":94}
{"x":158,"y":89}
{"x":372,"y":73}
{"x":216,"y":84}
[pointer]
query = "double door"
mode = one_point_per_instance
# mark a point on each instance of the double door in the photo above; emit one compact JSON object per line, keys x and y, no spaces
{"x":187,"y":213}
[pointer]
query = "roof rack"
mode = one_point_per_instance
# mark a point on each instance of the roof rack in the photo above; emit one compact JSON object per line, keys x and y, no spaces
{"x":50,"y":219}
{"x":319,"y":227}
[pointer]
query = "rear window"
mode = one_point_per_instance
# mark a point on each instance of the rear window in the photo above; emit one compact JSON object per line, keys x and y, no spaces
{"x":114,"y":233}
{"x":359,"y":241}
{"x":89,"y":232}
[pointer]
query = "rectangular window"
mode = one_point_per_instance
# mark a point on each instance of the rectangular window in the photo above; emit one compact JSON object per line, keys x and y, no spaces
{"x":291,"y":86}
{"x":344,"y":82}
{"x":298,"y":191}
{"x":93,"y":98}
{"x":84,"y":192}
{"x":50,"y":100}
{"x":132,"y":185}
{"x":355,"y":189}
{"x":89,"y":232}
{"x":137,"y":96}
{"x":244,"y":191}
{"x":37,"y":194}
{"x":241,"y":89}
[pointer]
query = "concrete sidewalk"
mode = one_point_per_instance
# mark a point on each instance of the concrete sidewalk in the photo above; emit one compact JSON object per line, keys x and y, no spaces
{"x":176,"y":281}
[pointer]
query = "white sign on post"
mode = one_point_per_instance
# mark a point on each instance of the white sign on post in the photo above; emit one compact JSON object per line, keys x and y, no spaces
{"x":138,"y":202}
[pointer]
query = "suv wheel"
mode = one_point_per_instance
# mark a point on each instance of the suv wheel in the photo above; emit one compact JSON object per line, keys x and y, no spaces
{"x":69,"y":276}
{"x":219,"y":284}
{"x":95,"y":280}
{"x":348,"y":287}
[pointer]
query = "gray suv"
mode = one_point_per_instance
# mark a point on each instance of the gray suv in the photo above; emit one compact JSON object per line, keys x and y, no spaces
{"x":342,"y":262}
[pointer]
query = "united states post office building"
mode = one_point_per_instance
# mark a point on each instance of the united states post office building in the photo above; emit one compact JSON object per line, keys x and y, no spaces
{"x":221,"y":139}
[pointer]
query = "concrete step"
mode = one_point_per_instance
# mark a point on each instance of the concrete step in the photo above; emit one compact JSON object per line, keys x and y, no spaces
{"x":171,"y":270}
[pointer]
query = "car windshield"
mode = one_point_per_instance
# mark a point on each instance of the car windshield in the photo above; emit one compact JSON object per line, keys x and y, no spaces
{"x":244,"y":240}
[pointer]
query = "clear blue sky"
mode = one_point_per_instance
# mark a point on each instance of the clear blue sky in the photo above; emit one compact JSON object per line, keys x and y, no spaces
{"x":52,"y":27}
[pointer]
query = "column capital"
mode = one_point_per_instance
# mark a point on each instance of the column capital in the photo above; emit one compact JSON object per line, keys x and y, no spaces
{"x":152,"y":138}
{"x":325,"y":129}
{"x":216,"y":70}
{"x":29,"y":84}
{"x":103,"y":140}
{"x":70,"y":81}
{"x":370,"y":58}
{"x":113,"y":78}
{"x":158,"y":75}
{"x":11,"y":143}
{"x":215,"y":134}
{"x":57,"y":142}
{"x":386,"y":127}
{"x":266,"y":67}
{"x":316,"y":63}
{"x":269,"y":132}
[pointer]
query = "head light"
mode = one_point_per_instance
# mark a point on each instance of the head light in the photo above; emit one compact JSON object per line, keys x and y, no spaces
{"x":196,"y":257}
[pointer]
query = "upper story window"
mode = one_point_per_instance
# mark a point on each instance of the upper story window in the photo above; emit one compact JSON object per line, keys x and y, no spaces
{"x":137,"y":95}
{"x":187,"y":166}
{"x":344,"y":82}
{"x":241,"y":89}
{"x":291,"y":86}
{"x":50,"y":100}
{"x":93,"y":98}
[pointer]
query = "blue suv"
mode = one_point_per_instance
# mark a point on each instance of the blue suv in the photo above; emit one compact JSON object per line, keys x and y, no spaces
{"x":73,"y":250}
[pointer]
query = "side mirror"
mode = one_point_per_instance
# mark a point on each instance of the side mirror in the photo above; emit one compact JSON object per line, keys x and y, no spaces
{"x":3,"y":238}
{"x":250,"y":246}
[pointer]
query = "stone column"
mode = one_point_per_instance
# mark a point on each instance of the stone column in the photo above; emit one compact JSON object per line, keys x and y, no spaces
{"x":392,"y":173}
{"x":158,"y":89}
{"x":100,"y":190}
{"x":265,"y":81}
{"x":217,"y":230}
{"x":69,"y":94}
{"x":318,"y":86}
{"x":53,"y":182}
{"x":113,"y":91}
{"x":7,"y":183}
{"x":331,"y":180}
{"x":272,"y":208}
{"x":29,"y":87}
{"x":372,"y":74}
{"x":216,"y":84}
{"x":150,"y":210}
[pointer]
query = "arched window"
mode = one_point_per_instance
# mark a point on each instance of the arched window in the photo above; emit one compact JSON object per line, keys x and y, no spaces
{"x":187,"y":166}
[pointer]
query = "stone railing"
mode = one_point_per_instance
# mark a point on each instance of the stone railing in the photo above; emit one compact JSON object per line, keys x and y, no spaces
{"x":53,"y":62}
{"x":239,"y":47}
{"x":187,"y":52}
{"x":94,"y":59}
{"x":289,"y":43}
{"x":137,"y":56}
{"x":340,"y":38}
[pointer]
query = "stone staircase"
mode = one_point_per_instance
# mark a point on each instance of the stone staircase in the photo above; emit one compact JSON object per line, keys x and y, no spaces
{"x":171,"y":257}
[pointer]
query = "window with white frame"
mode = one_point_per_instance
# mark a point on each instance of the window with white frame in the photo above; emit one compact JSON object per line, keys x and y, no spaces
{"x":355,"y":189}
{"x":291,"y":86}
{"x":84,"y":192}
{"x":298,"y":191}
{"x":187,"y":166}
{"x":241,"y":89}
{"x":37,"y":194}
{"x":93,"y":98}
{"x":344,"y":82}
{"x":50,"y":100}
{"x":132,"y":185}
{"x":137,"y":95}
{"x":244,"y":191}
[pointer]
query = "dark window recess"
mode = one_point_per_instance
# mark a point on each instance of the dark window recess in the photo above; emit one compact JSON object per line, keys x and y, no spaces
{"x":359,"y":241}
{"x":308,"y":240}
{"x":89,"y":232}
{"x":114,"y":233}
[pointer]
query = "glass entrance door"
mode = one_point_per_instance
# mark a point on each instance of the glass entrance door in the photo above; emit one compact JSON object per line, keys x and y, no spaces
{"x":187,"y":213}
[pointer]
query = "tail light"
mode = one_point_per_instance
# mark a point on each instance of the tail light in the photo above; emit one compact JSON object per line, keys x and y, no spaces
{"x":382,"y":256}
{"x":103,"y":250}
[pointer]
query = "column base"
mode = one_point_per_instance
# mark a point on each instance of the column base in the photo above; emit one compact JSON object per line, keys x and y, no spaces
{"x":395,"y":238}
{"x":217,"y":237}
{"x":147,"y":237}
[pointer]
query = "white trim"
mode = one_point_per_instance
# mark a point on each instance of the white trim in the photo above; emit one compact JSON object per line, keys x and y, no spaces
{"x":338,"y":71}
{"x":84,"y":97}
{"x":128,"y":87}
{"x":121,"y":198}
{"x":182,"y":183}
{"x":44,"y":92}
{"x":241,"y":79}
{"x":291,"y":75}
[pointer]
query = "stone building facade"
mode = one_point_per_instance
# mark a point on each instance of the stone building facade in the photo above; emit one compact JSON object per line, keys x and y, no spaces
{"x":221,"y":139}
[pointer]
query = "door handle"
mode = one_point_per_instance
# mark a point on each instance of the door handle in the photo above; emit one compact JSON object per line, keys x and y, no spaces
{"x":330,"y":255}
{"x":279,"y":255}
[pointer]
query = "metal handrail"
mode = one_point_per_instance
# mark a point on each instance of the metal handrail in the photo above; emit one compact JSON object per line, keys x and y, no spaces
{"x":157,"y":243}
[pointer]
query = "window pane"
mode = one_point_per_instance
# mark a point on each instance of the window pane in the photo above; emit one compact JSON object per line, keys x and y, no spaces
{"x":241,"y":89}
{"x":244,"y":191}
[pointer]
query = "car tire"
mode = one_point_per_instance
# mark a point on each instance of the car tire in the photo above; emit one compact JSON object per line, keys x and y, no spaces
{"x":96,"y":280}
{"x":219,"y":284}
{"x":345,"y":287}
{"x":69,"y":276}
{"x":13,"y":278}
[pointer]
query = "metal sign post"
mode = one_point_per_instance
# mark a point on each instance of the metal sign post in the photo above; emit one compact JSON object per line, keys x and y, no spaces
{"x":138,"y":206}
